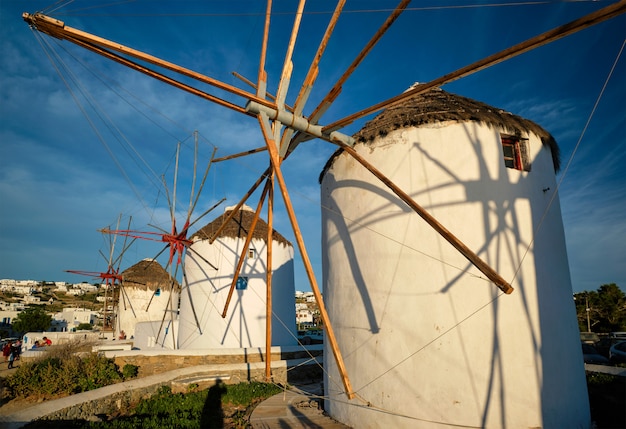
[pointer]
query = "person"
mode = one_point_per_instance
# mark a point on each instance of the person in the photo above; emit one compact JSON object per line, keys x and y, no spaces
{"x":36,"y":345}
{"x":16,"y":349}
{"x":46,"y":341}
{"x":6,"y":350}
{"x":11,"y":358}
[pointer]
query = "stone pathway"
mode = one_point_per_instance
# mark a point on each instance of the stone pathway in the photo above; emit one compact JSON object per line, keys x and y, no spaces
{"x":298,"y":408}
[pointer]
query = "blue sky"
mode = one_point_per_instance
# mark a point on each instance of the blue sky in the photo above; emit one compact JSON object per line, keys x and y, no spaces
{"x":72,"y":160}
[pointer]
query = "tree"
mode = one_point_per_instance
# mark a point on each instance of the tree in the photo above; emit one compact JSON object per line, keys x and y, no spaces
{"x":603,"y":310}
{"x":32,"y":319}
{"x":84,"y":327}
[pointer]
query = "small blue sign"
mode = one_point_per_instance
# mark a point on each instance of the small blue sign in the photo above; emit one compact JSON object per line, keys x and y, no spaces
{"x":242,"y":283}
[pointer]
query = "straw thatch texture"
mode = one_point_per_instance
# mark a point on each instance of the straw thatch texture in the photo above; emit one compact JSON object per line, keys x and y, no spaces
{"x":148,"y":274}
{"x":437,"y":105}
{"x":238,"y":227}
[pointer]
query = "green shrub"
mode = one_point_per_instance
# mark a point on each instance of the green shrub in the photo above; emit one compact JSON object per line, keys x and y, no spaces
{"x":52,"y":375}
{"x":130,"y":371}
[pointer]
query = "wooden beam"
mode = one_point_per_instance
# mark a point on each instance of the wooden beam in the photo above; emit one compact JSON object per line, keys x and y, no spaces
{"x":244,"y":250}
{"x":239,"y":204}
{"x":240,"y":154}
{"x":268,"y":295}
{"x":261,"y":87}
{"x":447,"y":235}
{"x":158,"y":76}
{"x":330,"y":333}
{"x":310,"y":78}
{"x":530,"y":44}
{"x":58,"y":29}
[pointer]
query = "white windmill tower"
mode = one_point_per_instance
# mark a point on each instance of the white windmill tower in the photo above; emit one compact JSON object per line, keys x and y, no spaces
{"x":150,"y":297}
{"x":445,"y":342}
{"x":219,"y":249}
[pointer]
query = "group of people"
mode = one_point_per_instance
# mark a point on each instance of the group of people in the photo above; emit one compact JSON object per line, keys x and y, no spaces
{"x":12,"y":351}
{"x":43,"y":343}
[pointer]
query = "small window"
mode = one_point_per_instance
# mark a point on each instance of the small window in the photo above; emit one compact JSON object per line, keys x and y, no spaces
{"x":242,"y":283}
{"x":251,"y":253}
{"x":157,"y":292}
{"x":515,"y":151}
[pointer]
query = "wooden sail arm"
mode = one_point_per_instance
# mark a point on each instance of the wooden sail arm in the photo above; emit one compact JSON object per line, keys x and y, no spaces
{"x":244,"y":249}
{"x":336,"y":89}
{"x":523,"y":47}
{"x":261,"y":87}
{"x":311,"y":77}
{"x":330,"y":333}
{"x":502,"y":284}
{"x":240,"y":154}
{"x":156,"y":75}
{"x":59,"y":30}
{"x":110,"y":277}
{"x":334,"y":92}
{"x":241,"y":202}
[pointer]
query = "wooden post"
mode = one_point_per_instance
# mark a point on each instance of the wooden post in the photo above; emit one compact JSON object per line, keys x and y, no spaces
{"x":330,"y":333}
{"x":268,"y":296}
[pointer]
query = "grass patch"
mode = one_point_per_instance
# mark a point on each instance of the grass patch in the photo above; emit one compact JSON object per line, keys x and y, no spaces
{"x":220,"y":406}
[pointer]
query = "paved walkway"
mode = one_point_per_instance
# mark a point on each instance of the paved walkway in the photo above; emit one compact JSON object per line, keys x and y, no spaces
{"x":293,"y":409}
{"x":298,"y":408}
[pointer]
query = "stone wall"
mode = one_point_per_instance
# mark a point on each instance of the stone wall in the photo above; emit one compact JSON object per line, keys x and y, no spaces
{"x":150,"y":363}
{"x":99,"y":408}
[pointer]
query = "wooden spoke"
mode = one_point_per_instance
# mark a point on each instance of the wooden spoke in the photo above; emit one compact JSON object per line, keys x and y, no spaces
{"x":240,"y":154}
{"x":530,"y":44}
{"x":268,"y":280}
{"x":244,"y":250}
{"x":239,"y":204}
{"x":311,"y":76}
{"x":261,"y":87}
{"x":58,"y":29}
{"x":330,"y":333}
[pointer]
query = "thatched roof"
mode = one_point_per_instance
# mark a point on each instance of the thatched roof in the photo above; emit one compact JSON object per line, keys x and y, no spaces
{"x":148,"y":274}
{"x":238,"y":227}
{"x":437,"y":105}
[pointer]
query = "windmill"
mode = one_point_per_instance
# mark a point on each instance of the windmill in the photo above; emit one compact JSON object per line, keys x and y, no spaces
{"x":175,"y":241}
{"x":111,"y":278}
{"x":284,"y":127}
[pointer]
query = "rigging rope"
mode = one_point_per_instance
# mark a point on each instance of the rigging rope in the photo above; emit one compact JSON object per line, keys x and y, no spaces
{"x":571,"y":158}
{"x":76,"y":12}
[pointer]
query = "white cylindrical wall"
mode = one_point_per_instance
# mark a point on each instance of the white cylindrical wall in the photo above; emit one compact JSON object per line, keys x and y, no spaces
{"x":427,"y":341}
{"x":205,"y":289}
{"x":138,"y":305}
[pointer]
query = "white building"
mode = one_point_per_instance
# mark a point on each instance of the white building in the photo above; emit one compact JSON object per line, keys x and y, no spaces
{"x":30,"y":299}
{"x":87,"y":287}
{"x":75,"y":292}
{"x":73,"y":317}
{"x":427,"y":339}
{"x":8,"y":316}
{"x":209,"y":271}
{"x":304,"y":316}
